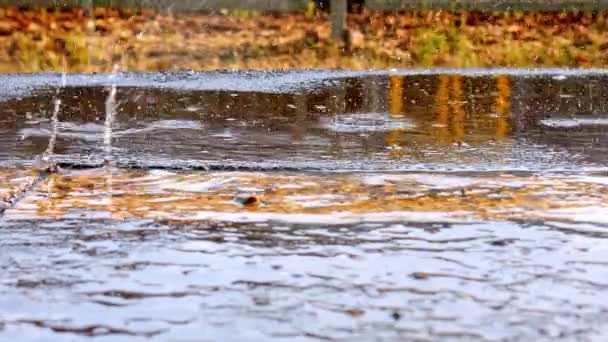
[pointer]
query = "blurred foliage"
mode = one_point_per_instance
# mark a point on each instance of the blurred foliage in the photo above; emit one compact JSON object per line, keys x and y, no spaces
{"x":42,"y":40}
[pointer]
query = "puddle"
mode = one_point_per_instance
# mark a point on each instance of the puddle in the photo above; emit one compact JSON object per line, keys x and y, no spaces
{"x":338,"y":206}
{"x":374,"y":122}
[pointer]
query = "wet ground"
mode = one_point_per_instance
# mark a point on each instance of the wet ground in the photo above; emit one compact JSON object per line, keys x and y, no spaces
{"x":307,"y":206}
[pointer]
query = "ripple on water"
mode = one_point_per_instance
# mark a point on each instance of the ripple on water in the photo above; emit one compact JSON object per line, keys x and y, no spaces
{"x":433,"y":255}
{"x":94,"y":131}
{"x":575,"y":122}
{"x":314,"y":198}
{"x":13,"y":183}
{"x":469,"y":281}
{"x":365,"y":123}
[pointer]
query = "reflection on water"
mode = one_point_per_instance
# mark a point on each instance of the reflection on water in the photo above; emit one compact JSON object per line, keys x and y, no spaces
{"x":372,"y":122}
{"x":12,"y":185}
{"x":474,"y":208}
{"x":158,"y":254}
{"x":315,"y":199}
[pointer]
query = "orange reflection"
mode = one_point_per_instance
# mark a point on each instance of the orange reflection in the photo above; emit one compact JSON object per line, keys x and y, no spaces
{"x":396,"y":95}
{"x":441,"y":106}
{"x":453,"y":120}
{"x":13,"y":183}
{"x":214,"y":196}
{"x":456,"y":104}
{"x":502,"y":106}
{"x":395,"y":137}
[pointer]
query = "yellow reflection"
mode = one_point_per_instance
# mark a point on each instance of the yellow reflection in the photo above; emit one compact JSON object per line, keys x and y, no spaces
{"x":441,"y":105}
{"x":502,"y":106}
{"x":450,"y":121}
{"x":12,"y":182}
{"x":458,"y":118}
{"x":113,"y":211}
{"x":395,"y":137}
{"x":179,"y":196}
{"x":396,"y":97}
{"x":56,"y":191}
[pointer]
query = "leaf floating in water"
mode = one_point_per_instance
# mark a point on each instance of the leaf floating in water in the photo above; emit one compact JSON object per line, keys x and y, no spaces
{"x":247,"y":199}
{"x":460,"y":143}
{"x":356,"y":312}
{"x":421,"y":275}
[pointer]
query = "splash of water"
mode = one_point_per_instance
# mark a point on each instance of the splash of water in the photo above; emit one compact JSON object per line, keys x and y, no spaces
{"x":46,"y":159}
{"x":50,"y":150}
{"x":110,"y":108}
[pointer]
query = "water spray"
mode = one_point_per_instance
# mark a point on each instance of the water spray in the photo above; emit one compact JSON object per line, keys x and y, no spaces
{"x":110,"y":108}
{"x":46,"y":161}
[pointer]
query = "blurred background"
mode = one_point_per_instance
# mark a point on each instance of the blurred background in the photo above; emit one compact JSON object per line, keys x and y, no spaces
{"x":152,"y":35}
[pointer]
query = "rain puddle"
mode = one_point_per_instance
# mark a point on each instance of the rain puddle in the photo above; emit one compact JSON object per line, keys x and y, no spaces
{"x":317,"y":206}
{"x":393,"y":123}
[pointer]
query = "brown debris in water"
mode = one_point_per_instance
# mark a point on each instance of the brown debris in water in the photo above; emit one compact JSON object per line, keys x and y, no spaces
{"x":355,"y":312}
{"x":247,"y":200}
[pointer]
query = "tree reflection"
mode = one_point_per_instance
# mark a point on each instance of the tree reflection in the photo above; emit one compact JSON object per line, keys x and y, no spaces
{"x":449,"y":109}
{"x":502,"y":107}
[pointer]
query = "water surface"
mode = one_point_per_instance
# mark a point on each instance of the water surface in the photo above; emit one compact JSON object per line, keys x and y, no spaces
{"x":458,"y":206}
